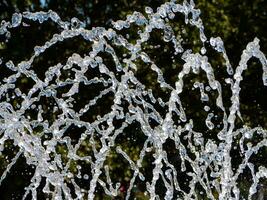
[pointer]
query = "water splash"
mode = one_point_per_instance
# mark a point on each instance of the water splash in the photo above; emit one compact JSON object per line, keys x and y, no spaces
{"x":207,"y":163}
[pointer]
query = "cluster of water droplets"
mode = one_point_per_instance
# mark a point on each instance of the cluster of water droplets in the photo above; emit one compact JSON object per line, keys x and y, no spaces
{"x":209,"y":161}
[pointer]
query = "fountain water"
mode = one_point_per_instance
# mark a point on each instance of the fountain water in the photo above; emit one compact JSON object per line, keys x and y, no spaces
{"x":206,"y":163}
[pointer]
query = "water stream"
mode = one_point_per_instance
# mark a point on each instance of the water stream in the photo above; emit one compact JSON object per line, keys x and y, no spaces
{"x":206,"y":162}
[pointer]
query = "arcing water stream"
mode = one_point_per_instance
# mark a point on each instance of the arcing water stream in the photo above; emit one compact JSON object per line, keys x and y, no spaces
{"x":206,"y":162}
